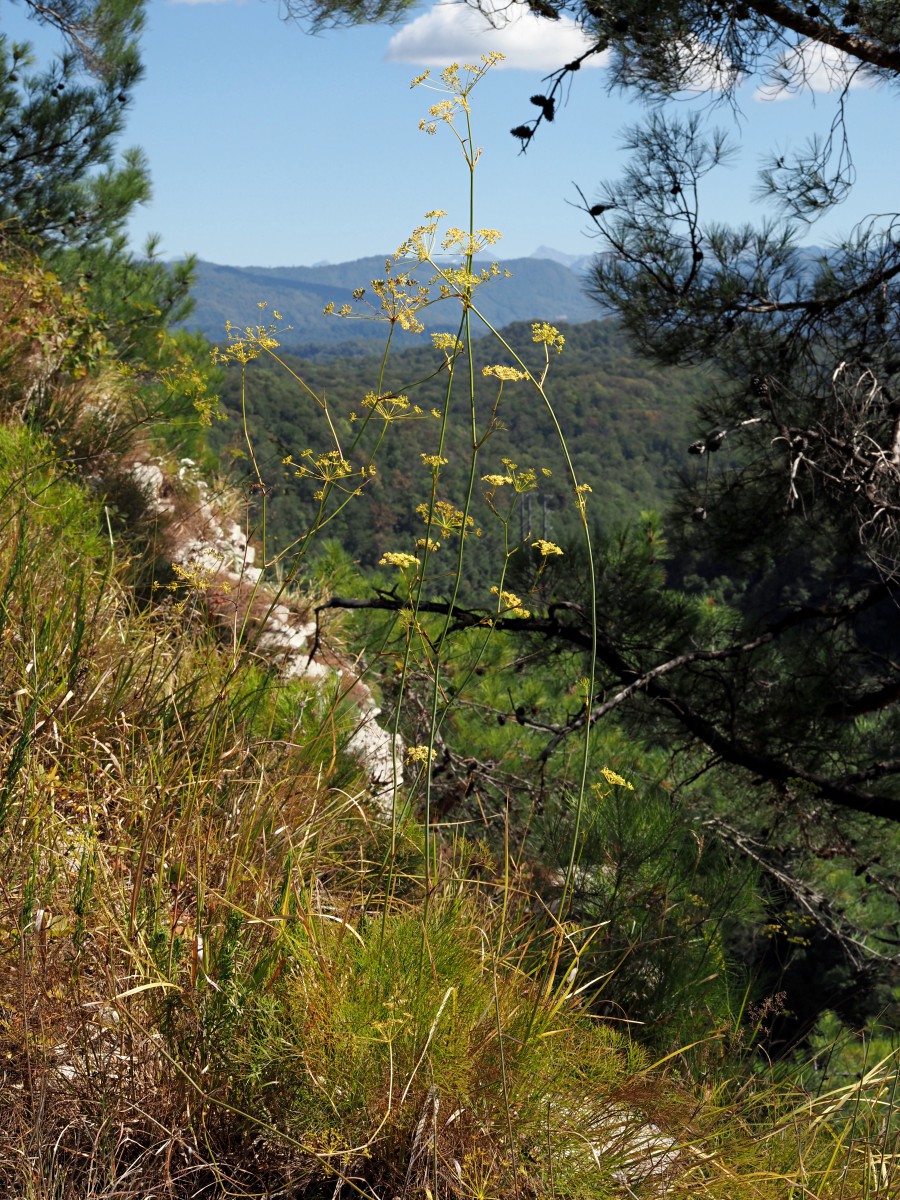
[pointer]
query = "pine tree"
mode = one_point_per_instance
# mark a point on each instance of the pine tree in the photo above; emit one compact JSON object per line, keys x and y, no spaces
{"x":65,"y":191}
{"x":804,"y":351}
{"x":59,"y":181}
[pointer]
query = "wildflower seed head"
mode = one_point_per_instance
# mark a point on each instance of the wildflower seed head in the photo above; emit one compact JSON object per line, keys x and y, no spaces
{"x":444,"y":110}
{"x":448,"y":343}
{"x":245,"y":344}
{"x":388,"y":405}
{"x":470,"y":243}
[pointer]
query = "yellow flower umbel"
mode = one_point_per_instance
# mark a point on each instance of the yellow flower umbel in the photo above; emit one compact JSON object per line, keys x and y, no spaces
{"x":549,"y":335}
{"x":447,"y":518}
{"x":450,"y":346}
{"x":505,"y":374}
{"x":397,"y":558}
{"x":245,"y":344}
{"x":420,"y":754}
{"x":509,"y":604}
{"x":329,"y":469}
{"x":457,"y":90}
{"x":616,"y":780}
{"x":195,"y":577}
{"x":389,"y":405}
{"x":434,"y":461}
{"x":400,"y":297}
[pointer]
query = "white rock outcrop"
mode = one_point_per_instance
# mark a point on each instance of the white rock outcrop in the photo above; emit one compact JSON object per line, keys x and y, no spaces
{"x":216,"y":553}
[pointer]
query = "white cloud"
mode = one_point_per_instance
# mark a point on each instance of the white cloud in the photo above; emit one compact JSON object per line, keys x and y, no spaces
{"x":812,"y":66}
{"x":454,"y":32}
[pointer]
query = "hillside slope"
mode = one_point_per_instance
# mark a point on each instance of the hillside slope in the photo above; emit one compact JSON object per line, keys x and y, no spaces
{"x":224,"y":973}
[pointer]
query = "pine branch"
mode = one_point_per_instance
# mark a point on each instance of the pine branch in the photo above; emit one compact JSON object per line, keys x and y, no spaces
{"x":819,"y":30}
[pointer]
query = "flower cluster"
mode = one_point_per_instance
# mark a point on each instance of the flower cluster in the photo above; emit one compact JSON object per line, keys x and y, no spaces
{"x":467,"y":243}
{"x":245,"y":344}
{"x":615,"y":779}
{"x":505,"y":374}
{"x":420,"y":243}
{"x":390,"y":406}
{"x":581,"y":491}
{"x":460,"y":281}
{"x":447,"y":517}
{"x":400,"y":297}
{"x":449,"y":345}
{"x":435,"y":461}
{"x":549,"y":335}
{"x":521,"y":481}
{"x":328,"y":469}
{"x":457,"y":87}
{"x":397,"y":558}
{"x":420,"y":754}
{"x":509,"y":604}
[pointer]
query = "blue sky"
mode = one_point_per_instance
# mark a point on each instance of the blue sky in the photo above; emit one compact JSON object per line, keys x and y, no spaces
{"x":269,"y":146}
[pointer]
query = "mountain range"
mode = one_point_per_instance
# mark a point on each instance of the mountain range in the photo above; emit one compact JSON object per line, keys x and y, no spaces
{"x":548,"y":285}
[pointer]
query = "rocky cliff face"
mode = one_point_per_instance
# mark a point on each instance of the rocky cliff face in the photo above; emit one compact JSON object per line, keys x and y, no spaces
{"x":212,"y":550}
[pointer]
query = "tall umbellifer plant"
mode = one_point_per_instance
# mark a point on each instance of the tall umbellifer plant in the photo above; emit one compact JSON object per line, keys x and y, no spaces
{"x":439,"y":265}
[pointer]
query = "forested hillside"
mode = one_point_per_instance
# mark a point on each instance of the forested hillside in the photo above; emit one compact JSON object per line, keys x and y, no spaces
{"x":628,"y":423}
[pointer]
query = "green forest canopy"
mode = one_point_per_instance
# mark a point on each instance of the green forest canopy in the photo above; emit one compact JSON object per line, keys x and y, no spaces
{"x":629,"y":423}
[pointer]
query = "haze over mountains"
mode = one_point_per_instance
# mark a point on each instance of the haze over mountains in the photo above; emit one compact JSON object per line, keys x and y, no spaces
{"x":548,"y":286}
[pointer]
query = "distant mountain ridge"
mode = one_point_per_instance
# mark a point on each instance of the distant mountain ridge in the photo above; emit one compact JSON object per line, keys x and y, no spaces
{"x":579,"y":263}
{"x":540,"y":288}
{"x":549,"y":285}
